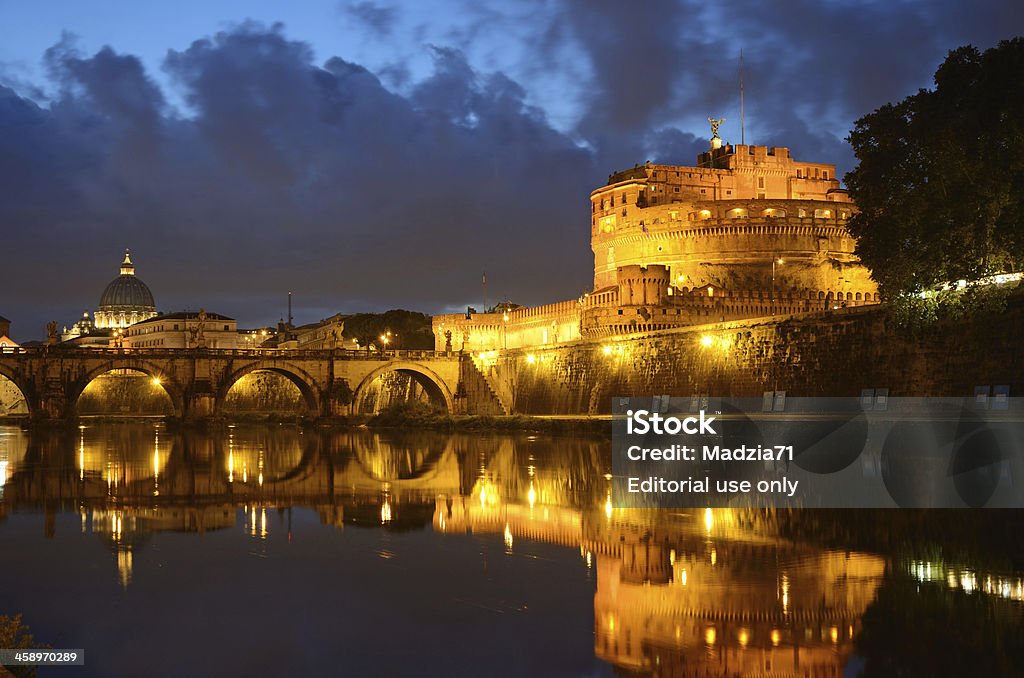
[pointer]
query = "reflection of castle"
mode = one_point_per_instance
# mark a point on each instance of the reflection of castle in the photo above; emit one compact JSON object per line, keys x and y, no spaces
{"x":681,"y":599}
{"x":714,"y":607}
{"x":747,"y":232}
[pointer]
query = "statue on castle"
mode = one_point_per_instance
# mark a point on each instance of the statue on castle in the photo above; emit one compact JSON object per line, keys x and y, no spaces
{"x":715,"y":123}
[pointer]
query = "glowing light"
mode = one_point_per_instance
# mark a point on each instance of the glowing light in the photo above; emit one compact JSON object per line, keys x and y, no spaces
{"x":531,"y":496}
{"x":672,"y":557}
{"x":710,"y":635}
{"x":711,"y":291}
{"x":833,"y":633}
{"x":607,"y":350}
{"x":682,"y":577}
{"x":744,"y":637}
{"x":483,"y":497}
{"x":707,"y":340}
{"x":714,"y":556}
{"x":263,"y":522}
{"x":156,"y":381}
{"x":508,"y":539}
{"x":531,"y":359}
{"x":709,"y":519}
{"x":776,"y":637}
{"x":608,"y":507}
{"x":385,"y":511}
{"x":785,"y":593}
{"x":589,"y":559}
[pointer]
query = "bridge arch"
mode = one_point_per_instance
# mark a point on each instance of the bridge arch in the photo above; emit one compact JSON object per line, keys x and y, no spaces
{"x":26,"y":392}
{"x":161,"y":376}
{"x":306,"y":384}
{"x":424,"y":376}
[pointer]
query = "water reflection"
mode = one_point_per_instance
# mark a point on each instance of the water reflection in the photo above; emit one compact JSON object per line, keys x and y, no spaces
{"x":707,"y":592}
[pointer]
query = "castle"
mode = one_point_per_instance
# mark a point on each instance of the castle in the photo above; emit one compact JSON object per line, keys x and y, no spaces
{"x":748,"y":232}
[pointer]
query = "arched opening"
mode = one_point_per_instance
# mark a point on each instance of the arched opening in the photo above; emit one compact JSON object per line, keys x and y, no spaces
{"x":126,"y":393}
{"x":402,"y":384}
{"x":13,"y":449}
{"x":398,"y":455}
{"x":738,"y":213}
{"x":12,"y":399}
{"x":125,"y":455}
{"x":266,"y":392}
{"x":259,"y":454}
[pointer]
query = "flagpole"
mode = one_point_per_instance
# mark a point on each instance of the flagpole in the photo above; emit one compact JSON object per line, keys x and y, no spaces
{"x":743,"y":139}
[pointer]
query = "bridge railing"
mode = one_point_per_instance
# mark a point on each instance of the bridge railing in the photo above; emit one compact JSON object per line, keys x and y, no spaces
{"x":262,"y":353}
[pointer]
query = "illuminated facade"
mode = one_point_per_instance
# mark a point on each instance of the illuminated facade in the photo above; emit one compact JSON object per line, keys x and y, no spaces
{"x":126,"y":300}
{"x":724,"y":221}
{"x":185,"y":329}
{"x":748,"y":232}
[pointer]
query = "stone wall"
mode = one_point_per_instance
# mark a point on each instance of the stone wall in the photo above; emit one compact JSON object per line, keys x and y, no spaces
{"x":837,"y":353}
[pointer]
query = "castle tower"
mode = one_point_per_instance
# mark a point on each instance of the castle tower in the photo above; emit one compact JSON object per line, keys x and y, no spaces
{"x":726,"y":219}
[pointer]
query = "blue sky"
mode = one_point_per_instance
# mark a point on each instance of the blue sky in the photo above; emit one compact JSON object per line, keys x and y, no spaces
{"x":372,"y":155}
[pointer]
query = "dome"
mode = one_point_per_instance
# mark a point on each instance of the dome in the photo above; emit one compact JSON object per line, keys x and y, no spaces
{"x":127,"y":292}
{"x":126,"y":300}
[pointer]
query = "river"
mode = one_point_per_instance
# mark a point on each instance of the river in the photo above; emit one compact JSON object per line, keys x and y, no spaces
{"x":269,"y":549}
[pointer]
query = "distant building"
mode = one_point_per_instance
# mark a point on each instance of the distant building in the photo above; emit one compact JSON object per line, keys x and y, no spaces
{"x":5,"y":326}
{"x":185,"y":329}
{"x":318,"y":336}
{"x":126,"y":300}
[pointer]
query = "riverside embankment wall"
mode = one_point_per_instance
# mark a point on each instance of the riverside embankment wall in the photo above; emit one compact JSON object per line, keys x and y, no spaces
{"x":834,"y":354}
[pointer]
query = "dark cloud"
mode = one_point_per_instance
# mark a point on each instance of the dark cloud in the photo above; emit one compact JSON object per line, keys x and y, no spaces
{"x":378,"y":18}
{"x":288,"y":173}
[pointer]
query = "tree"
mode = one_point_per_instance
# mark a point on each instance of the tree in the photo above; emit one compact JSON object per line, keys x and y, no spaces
{"x":409,"y":329}
{"x":940,"y":179}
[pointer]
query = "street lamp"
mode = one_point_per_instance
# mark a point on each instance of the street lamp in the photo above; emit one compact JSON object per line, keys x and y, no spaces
{"x":504,"y":331}
{"x":775,"y":261}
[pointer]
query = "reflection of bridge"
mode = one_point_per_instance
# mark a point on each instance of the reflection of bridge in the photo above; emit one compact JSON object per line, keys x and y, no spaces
{"x":197,"y":381}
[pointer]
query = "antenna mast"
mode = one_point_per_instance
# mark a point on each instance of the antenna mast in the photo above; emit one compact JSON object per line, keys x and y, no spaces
{"x":742,"y":135}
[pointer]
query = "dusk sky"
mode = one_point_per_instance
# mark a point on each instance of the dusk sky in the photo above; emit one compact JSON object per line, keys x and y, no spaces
{"x":375,"y":155}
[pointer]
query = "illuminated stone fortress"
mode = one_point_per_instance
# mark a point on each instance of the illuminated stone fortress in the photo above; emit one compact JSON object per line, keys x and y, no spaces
{"x":726,"y":220}
{"x":747,"y":232}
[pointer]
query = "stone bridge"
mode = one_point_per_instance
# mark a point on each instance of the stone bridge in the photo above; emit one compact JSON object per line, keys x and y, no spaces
{"x":197,"y":381}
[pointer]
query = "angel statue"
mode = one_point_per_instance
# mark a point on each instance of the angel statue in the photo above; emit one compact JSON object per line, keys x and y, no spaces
{"x":714,"y":126}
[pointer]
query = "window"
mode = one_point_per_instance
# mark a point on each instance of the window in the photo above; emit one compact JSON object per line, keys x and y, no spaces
{"x":675,"y":189}
{"x":729,"y":192}
{"x":824,"y":174}
{"x":760,"y":182}
{"x":703,"y":190}
{"x":799,"y":173}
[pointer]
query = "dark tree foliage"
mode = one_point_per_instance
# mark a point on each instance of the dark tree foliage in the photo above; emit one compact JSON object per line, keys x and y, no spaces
{"x":409,"y":329}
{"x":940,"y":179}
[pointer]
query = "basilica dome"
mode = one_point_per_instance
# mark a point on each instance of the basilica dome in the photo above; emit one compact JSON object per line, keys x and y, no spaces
{"x":126,"y":300}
